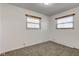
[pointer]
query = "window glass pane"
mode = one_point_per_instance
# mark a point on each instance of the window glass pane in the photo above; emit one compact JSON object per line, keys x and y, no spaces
{"x":66,"y":19}
{"x":34,"y":20}
{"x":66,"y":25}
{"x":31,"y":25}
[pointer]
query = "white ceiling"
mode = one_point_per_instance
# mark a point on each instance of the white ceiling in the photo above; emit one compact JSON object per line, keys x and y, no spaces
{"x":47,"y":10}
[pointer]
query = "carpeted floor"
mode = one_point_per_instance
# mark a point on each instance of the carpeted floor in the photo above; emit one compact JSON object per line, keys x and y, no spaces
{"x":45,"y":49}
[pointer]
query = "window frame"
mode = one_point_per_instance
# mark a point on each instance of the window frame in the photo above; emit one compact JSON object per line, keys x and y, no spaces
{"x":67,"y":22}
{"x":39,"y":18}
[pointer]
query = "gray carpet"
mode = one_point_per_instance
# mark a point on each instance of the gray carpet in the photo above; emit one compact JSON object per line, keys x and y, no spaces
{"x":45,"y":49}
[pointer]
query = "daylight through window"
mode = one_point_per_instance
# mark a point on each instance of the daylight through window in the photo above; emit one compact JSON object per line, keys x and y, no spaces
{"x":33,"y":22}
{"x":65,"y":22}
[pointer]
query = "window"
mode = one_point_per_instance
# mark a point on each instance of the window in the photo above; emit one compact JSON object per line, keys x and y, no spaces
{"x":33,"y":22}
{"x":65,"y":22}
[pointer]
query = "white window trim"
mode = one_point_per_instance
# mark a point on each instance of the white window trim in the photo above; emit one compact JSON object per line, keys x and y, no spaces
{"x":64,"y":17}
{"x":33,"y":23}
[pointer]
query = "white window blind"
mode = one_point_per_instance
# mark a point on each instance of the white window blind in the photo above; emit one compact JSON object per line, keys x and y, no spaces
{"x":33,"y":22}
{"x":66,"y":22}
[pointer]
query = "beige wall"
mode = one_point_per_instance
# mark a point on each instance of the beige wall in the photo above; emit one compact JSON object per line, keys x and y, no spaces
{"x":0,"y":27}
{"x":68,"y":37}
{"x":14,"y":32}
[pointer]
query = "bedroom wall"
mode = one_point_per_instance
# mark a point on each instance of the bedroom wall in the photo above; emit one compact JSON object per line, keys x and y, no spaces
{"x":14,"y":32}
{"x":68,"y":37}
{"x":0,"y":27}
